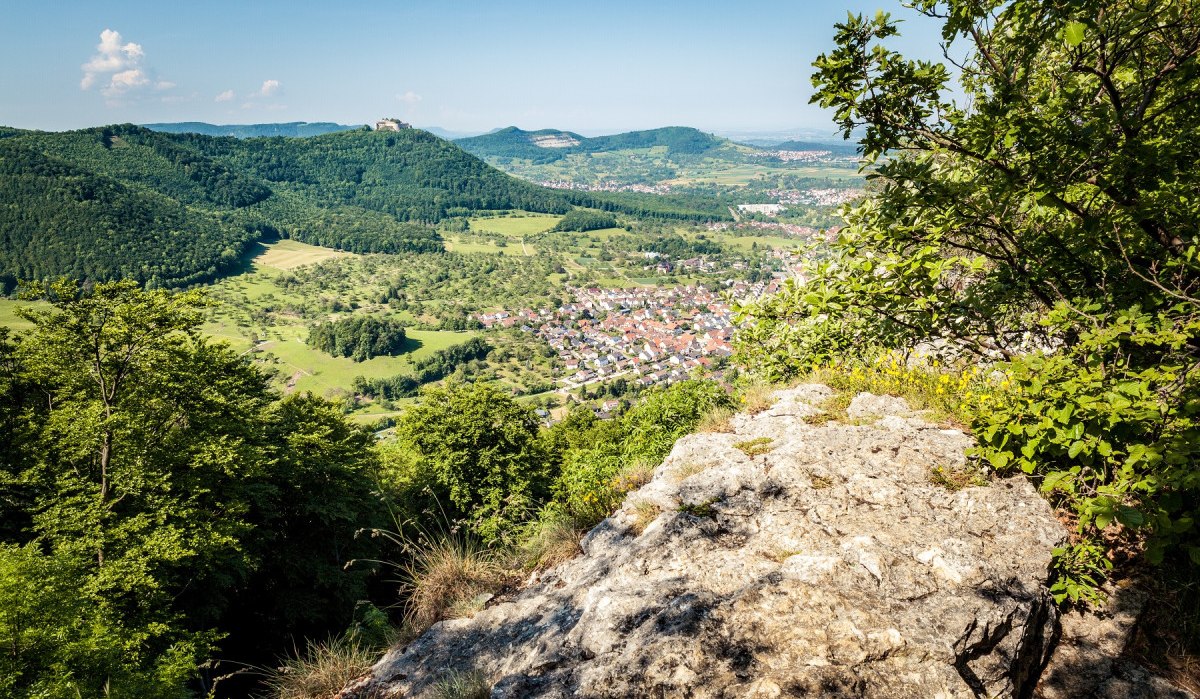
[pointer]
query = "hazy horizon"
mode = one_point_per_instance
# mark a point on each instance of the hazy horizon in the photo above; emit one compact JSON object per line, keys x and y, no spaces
{"x":470,"y":68}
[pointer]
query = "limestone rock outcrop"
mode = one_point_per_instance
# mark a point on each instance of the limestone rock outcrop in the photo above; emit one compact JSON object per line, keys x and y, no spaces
{"x":830,"y":564}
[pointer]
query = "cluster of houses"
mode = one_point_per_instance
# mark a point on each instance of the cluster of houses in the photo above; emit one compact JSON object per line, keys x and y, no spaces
{"x":649,"y":335}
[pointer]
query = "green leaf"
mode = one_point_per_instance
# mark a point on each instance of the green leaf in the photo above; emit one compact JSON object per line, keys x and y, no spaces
{"x":1076,"y":447}
{"x":1074,"y":32}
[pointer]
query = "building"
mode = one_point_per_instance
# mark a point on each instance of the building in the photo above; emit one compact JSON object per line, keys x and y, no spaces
{"x":391,"y":125}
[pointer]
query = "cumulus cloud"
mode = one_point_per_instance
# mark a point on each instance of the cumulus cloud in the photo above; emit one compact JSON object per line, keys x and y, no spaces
{"x":269,"y":87}
{"x":409,"y":97}
{"x":118,"y":68}
{"x":225,"y":96}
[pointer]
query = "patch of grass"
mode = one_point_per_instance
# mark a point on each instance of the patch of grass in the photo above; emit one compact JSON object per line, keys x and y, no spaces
{"x":321,"y":671}
{"x":955,"y":479}
{"x":718,"y":420}
{"x":289,"y":254}
{"x":472,"y":684}
{"x":445,"y":575}
{"x":549,"y":541}
{"x":833,"y":409}
{"x":755,"y":447}
{"x":644,"y":512}
{"x":700,"y":509}
{"x":757,"y":397}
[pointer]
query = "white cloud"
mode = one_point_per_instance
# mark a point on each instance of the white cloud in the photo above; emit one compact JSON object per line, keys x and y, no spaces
{"x":225,"y":96}
{"x":269,"y":87}
{"x":118,"y":68}
{"x":409,"y":97}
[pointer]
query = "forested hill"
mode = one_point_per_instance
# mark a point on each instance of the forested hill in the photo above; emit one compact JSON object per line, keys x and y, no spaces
{"x":174,"y":209}
{"x":548,"y":145}
{"x":291,"y":129}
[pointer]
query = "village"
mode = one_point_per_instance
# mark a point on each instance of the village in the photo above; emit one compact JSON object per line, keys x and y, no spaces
{"x":646,"y":335}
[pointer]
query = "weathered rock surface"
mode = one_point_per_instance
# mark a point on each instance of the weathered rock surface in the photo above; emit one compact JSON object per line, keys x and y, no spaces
{"x":830,"y":566}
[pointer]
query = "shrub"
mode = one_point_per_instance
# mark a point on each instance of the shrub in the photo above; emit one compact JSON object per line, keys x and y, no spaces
{"x":321,"y":671}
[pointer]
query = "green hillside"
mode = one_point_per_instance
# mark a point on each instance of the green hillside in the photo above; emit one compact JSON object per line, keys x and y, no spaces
{"x":175,"y":209}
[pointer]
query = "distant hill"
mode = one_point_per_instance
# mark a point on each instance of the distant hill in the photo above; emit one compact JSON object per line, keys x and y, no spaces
{"x":176,"y":209}
{"x":549,"y":145}
{"x":291,"y":129}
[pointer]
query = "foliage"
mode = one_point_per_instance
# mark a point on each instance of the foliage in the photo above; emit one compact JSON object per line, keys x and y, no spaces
{"x":1050,"y":226}
{"x":463,"y":685}
{"x":602,"y":461}
{"x":445,"y":575}
{"x":478,"y":452}
{"x":359,"y":337}
{"x":583,"y":220}
{"x":158,"y":497}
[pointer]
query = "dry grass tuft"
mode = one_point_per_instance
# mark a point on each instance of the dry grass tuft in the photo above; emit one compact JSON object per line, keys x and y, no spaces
{"x":549,"y":542}
{"x":757,"y":398}
{"x":755,"y":447}
{"x":463,"y":685}
{"x":644,"y":512}
{"x":445,"y":577}
{"x":833,"y":409}
{"x":323,"y":670}
{"x":955,"y":479}
{"x":688,"y":469}
{"x":717,"y":420}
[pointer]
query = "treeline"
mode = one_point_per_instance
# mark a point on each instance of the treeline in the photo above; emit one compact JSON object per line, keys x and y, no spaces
{"x":435,"y":367}
{"x":410,"y":175}
{"x":359,"y":337}
{"x":584,"y":220}
{"x":675,"y":207}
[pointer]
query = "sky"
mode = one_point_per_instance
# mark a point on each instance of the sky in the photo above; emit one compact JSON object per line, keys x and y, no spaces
{"x":464,"y":66}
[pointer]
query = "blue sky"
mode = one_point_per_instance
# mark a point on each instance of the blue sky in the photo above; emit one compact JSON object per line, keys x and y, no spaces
{"x":596,"y":67}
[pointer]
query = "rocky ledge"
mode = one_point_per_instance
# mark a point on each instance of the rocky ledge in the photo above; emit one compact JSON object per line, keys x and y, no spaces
{"x":780,"y":559}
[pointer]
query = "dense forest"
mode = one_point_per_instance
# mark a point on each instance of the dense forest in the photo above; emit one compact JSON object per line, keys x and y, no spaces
{"x":164,"y":209}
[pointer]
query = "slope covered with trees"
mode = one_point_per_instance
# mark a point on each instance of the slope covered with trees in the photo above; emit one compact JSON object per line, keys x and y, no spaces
{"x":174,"y":209}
